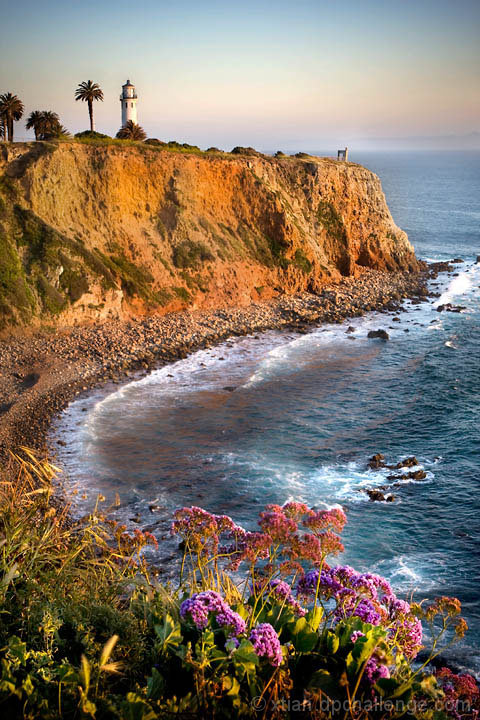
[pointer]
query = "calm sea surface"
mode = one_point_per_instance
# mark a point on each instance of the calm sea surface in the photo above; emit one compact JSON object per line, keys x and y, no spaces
{"x":309,"y":410}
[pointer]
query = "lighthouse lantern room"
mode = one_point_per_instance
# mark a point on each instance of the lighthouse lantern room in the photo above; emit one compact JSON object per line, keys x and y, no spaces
{"x":128,"y":100}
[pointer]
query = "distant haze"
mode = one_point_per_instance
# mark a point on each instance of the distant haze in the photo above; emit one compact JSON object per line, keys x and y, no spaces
{"x":389,"y":74}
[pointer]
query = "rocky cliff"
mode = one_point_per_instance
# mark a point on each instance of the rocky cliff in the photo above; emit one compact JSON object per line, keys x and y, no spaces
{"x":90,"y":232}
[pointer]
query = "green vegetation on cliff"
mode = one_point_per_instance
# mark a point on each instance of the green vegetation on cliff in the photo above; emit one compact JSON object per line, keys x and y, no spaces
{"x":98,"y":228}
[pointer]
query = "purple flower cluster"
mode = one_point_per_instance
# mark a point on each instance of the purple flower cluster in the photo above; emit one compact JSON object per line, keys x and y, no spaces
{"x":374,"y":671}
{"x":281,"y":591}
{"x":368,"y":597}
{"x":363,"y":609}
{"x":200,"y":605}
{"x":266,"y":643}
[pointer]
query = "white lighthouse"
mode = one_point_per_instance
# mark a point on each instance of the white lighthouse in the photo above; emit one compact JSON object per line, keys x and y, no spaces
{"x":128,"y":99}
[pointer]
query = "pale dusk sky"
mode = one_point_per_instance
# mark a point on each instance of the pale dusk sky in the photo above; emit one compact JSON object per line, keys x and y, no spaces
{"x":293,"y":75}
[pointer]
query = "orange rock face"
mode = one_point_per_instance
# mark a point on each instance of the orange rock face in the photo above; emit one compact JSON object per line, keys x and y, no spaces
{"x":123,"y":231}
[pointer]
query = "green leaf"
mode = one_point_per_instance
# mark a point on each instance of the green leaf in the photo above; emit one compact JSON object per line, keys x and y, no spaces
{"x":135,"y":708}
{"x":27,"y":686}
{"x":246,"y":653}
{"x":303,"y":638}
{"x":155,"y":685}
{"x":387,"y":686}
{"x":429,"y":686}
{"x":68,"y":675}
{"x":314,"y":617}
{"x":245,"y":661}
{"x":322,"y":680}
{"x":18,"y":649}
{"x":169,"y":634}
{"x":231,"y":685}
{"x":333,"y":642}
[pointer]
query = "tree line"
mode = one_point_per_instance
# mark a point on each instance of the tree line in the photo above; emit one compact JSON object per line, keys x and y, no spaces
{"x":46,"y":124}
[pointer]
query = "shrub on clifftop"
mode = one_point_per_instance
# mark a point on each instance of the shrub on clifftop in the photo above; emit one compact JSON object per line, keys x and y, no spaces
{"x":92,"y":135}
{"x":131,"y":131}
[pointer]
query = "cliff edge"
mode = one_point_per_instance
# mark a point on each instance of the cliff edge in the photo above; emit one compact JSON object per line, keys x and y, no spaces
{"x":93,"y":232}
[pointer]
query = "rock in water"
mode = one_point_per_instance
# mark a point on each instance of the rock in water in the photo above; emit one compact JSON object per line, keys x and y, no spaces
{"x":382,"y":334}
{"x":376,"y":495}
{"x":376,"y":461}
{"x":408,"y":462}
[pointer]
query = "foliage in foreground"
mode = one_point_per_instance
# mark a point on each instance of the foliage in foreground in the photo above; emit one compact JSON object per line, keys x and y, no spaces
{"x":260,"y":625}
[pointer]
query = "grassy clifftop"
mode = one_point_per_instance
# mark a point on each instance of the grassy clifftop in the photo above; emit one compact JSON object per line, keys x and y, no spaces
{"x":90,"y":231}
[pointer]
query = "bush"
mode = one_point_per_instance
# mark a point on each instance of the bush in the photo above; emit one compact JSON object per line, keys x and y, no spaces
{"x":190,"y":254}
{"x":259,"y":622}
{"x":92,"y":135}
{"x":302,"y":262}
{"x":239,"y":150}
{"x":154,"y":141}
{"x":183,"y":146}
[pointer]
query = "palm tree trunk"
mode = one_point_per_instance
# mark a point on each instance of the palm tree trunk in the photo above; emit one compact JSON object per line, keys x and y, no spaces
{"x":10,"y":128}
{"x":90,"y":112}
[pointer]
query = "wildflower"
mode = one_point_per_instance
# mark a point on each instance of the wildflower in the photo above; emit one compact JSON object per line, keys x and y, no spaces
{"x":197,"y":527}
{"x":290,"y":567}
{"x":200,"y":605}
{"x":275,"y":523}
{"x":443,"y":606}
{"x":355,"y":635}
{"x":266,"y":643}
{"x":151,"y":538}
{"x":281,"y":591}
{"x":375,"y":670}
{"x":328,"y":585}
{"x":323,"y":519}
{"x":363,"y":609}
{"x":461,"y":628}
{"x":296,"y":510}
{"x":246,"y":546}
{"x":459,"y":686}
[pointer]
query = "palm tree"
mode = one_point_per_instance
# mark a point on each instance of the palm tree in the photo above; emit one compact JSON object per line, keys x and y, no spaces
{"x":131,"y":131}
{"x":43,"y":122}
{"x":88,"y":92}
{"x":49,"y":124}
{"x":56,"y":132}
{"x":11,"y":109}
{"x":33,"y":122}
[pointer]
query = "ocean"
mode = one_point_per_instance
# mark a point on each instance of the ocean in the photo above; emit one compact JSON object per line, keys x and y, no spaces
{"x":308,"y":411}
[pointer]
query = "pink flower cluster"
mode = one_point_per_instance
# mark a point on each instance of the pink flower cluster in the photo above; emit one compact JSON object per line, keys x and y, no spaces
{"x":200,"y":529}
{"x":285,"y":528}
{"x":201,"y":605}
{"x":293,"y":532}
{"x":266,"y":643}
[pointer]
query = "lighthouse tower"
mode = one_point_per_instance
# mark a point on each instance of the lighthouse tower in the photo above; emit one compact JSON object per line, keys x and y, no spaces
{"x":128,"y":100}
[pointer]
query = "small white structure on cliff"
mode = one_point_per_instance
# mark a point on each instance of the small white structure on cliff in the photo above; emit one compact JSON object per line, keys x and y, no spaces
{"x":128,"y":99}
{"x":342,"y":154}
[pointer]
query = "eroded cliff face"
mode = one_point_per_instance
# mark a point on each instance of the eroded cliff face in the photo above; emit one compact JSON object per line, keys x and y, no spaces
{"x":94,"y":232}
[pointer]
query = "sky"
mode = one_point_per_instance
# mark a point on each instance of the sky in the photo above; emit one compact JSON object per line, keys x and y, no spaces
{"x":291,"y":75}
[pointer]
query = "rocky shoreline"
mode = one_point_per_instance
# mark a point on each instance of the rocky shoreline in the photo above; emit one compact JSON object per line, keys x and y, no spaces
{"x":41,"y":373}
